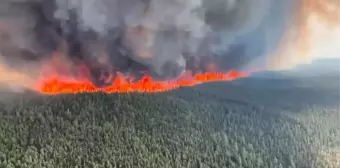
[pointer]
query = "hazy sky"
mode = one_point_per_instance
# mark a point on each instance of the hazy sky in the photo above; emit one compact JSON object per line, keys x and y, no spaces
{"x":300,"y":35}
{"x":266,"y":37}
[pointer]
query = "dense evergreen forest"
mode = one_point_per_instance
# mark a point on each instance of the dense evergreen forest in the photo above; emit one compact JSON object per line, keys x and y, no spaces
{"x":250,"y":123}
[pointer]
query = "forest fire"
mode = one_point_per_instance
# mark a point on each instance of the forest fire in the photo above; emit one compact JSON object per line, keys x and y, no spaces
{"x":121,"y":84}
{"x":118,"y":46}
{"x":60,"y":76}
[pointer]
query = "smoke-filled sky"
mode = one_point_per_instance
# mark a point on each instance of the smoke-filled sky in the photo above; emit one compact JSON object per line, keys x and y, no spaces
{"x":264,"y":39}
{"x":161,"y":38}
{"x":313,"y":33}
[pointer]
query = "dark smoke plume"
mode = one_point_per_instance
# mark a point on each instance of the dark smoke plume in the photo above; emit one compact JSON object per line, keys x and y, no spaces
{"x":161,"y":38}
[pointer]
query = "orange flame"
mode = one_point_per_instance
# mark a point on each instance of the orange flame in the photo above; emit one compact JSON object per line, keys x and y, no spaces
{"x":57,"y":78}
{"x":121,"y":84}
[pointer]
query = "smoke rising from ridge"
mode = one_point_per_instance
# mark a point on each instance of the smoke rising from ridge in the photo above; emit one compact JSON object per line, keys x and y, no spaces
{"x":162,"y":38}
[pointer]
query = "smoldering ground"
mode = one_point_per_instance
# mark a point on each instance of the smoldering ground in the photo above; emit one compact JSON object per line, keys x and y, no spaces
{"x":160,"y":38}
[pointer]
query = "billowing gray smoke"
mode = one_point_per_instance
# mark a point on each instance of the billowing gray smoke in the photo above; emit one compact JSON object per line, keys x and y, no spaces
{"x":160,"y":37}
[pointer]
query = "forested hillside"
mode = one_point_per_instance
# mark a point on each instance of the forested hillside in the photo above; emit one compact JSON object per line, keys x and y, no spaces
{"x":216,"y":125}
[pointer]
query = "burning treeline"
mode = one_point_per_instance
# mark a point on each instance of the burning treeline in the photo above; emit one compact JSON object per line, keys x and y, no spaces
{"x":126,"y":45}
{"x":135,"y":45}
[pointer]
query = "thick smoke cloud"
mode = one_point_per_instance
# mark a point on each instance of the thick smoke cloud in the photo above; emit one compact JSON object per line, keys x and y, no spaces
{"x":162,"y":38}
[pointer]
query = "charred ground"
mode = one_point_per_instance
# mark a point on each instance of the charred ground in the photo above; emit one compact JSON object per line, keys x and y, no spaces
{"x":244,"y":126}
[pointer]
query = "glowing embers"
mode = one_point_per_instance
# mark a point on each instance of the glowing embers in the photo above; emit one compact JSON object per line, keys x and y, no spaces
{"x":121,"y":84}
